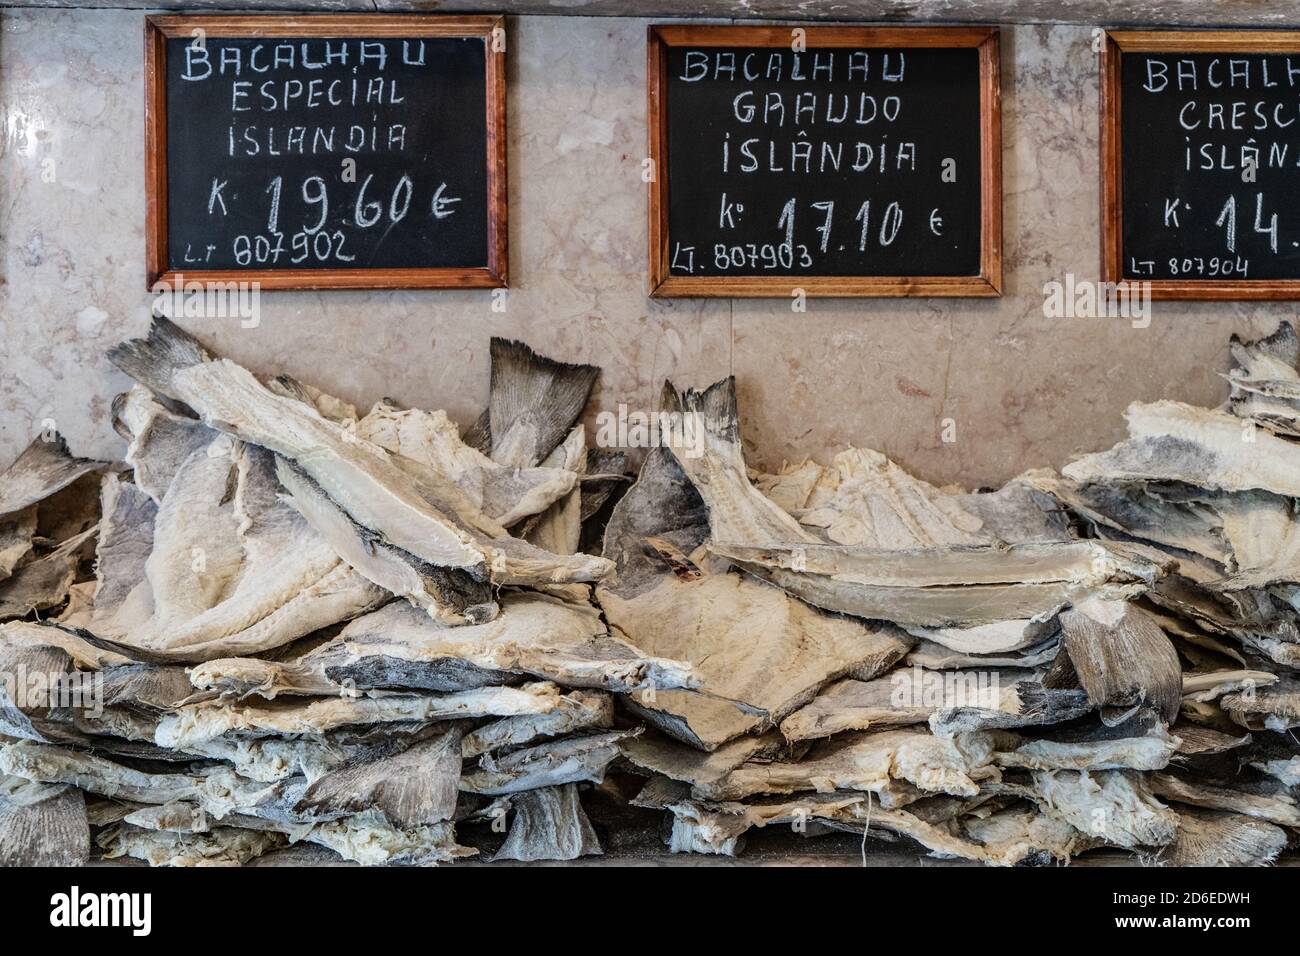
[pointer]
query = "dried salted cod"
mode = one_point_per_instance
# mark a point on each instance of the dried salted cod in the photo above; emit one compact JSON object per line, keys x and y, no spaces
{"x":948,"y":587}
{"x":417,"y":786}
{"x":534,"y":402}
{"x":126,"y":533}
{"x":1211,"y":685}
{"x":1115,"y":806}
{"x":569,"y":760}
{"x":196,"y":723}
{"x":449,"y":595}
{"x":222,"y":846}
{"x":409,"y":506}
{"x":759,"y":654}
{"x":559,"y":527}
{"x":1276,"y":755}
{"x":952,"y":701}
{"x":999,"y":637}
{"x":357,"y":474}
{"x":1265,"y":384}
{"x":706,"y":446}
{"x":42,"y":583}
{"x":862,"y":498}
{"x":330,"y":406}
{"x":370,"y":840}
{"x":1140,"y":743}
{"x":1171,"y":441}
{"x":1273,"y":707}
{"x":16,"y":532}
{"x":1223,"y":839}
{"x":936,"y":657}
{"x":1119,"y":656}
{"x":42,"y":824}
{"x":1265,"y":798}
{"x":43,"y":763}
{"x":232,"y":570}
{"x":44,"y":467}
{"x":84,"y":654}
{"x":868,"y":761}
{"x":659,"y":754}
{"x":1253,"y":536}
{"x":549,"y":824}
{"x":273,"y":759}
{"x":506,"y":494}
{"x":534,"y":634}
{"x":1004,"y":838}
{"x":575,"y":711}
{"x":160,"y":438}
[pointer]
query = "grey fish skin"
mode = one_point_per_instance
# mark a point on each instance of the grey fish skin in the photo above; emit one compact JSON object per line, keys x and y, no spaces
{"x":549,"y":824}
{"x":44,"y":467}
{"x":41,"y":824}
{"x":357,"y":474}
{"x":451,"y":595}
{"x":533,"y":404}
{"x":416,"y":786}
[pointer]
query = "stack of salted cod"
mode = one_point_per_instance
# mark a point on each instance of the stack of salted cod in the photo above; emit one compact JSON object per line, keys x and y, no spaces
{"x":1104,"y":659}
{"x":366,"y":636}
{"x":307,"y":626}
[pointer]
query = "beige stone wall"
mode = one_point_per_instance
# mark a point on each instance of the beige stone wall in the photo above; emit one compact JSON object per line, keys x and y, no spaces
{"x":1021,"y":390}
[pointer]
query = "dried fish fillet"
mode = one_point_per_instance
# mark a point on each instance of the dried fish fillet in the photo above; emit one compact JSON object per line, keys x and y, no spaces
{"x":862,"y":498}
{"x":549,"y":824}
{"x":868,"y":761}
{"x":1265,"y":384}
{"x":952,"y":587}
{"x":1115,"y":806}
{"x":414,"y":787}
{"x":44,"y":467}
{"x":738,"y":512}
{"x":16,"y":531}
{"x":1119,"y":656}
{"x":569,"y":760}
{"x":197,"y":723}
{"x":952,"y":702}
{"x":1172,"y":441}
{"x":39,"y":585}
{"x":534,"y":634}
{"x":575,"y":711}
{"x":450,"y":595}
{"x":1274,"y":707}
{"x":506,"y":494}
{"x":42,"y":824}
{"x":1266,"y":801}
{"x":759,"y":653}
{"x":658,"y":754}
{"x":1224,"y":839}
{"x":358,"y":475}
{"x":222,"y":846}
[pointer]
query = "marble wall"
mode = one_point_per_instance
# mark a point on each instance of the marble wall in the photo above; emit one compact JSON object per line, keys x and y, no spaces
{"x":1019,"y":390}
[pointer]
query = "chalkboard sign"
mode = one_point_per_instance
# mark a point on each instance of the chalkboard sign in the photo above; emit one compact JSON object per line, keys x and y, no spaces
{"x":833,"y":160}
{"x":1201,"y":163}
{"x":337,"y":151}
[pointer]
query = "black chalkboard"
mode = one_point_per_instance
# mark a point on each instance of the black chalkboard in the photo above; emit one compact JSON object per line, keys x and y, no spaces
{"x":1207,"y":157}
{"x":369,"y":155}
{"x":843,"y":163}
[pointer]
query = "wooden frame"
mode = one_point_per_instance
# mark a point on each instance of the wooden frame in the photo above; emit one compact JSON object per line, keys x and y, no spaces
{"x":158,"y":29}
{"x":1117,"y":43}
{"x":989,"y":280}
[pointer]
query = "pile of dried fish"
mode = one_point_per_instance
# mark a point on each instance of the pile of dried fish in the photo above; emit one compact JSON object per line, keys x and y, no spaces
{"x":283,"y":622}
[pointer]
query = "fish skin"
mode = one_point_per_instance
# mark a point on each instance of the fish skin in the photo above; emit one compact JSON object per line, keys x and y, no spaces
{"x":533,"y":403}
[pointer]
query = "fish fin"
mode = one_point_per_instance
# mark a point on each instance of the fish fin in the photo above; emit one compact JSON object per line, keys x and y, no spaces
{"x":534,"y":402}
{"x":155,"y":359}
